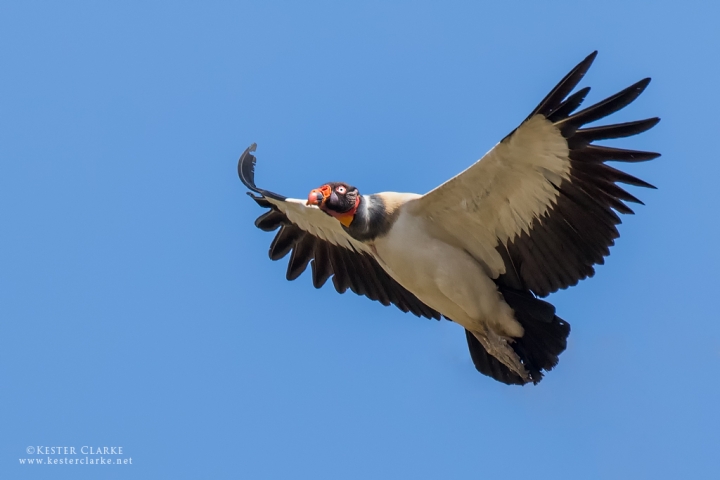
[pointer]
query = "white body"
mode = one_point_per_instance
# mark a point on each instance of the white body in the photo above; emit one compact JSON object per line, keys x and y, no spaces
{"x":444,"y":277}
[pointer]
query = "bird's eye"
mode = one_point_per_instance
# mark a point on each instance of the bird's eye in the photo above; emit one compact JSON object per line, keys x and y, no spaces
{"x":340,"y":189}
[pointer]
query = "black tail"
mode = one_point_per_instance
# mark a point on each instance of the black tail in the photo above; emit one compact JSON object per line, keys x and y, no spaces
{"x":544,"y":340}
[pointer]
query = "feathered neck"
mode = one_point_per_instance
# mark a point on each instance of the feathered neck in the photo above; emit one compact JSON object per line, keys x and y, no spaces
{"x":373,"y":218}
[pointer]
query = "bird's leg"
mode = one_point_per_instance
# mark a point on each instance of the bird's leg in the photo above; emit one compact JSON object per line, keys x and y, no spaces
{"x":499,"y":347}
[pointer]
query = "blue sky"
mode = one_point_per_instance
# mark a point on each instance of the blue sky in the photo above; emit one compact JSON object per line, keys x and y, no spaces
{"x":138,"y":307}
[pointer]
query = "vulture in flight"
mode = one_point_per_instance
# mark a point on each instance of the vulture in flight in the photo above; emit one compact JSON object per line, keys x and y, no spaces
{"x":532,"y":216}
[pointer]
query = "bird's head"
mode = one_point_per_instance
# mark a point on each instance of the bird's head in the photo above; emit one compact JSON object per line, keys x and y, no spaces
{"x":337,"y":199}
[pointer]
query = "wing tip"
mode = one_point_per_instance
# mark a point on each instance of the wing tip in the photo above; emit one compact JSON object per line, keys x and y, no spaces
{"x":585,"y":64}
{"x":246,"y":172}
{"x":557,"y":95}
{"x":591,"y":58}
{"x":642,"y":84}
{"x":246,"y":168}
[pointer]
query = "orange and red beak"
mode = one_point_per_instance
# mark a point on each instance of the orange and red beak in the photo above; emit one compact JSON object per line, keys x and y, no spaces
{"x":319,"y":195}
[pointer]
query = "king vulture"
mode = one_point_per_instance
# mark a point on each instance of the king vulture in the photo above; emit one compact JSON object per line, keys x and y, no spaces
{"x":532,"y":216}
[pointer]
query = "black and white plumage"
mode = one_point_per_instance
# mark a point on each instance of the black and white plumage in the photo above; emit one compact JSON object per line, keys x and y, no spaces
{"x":534,"y":215}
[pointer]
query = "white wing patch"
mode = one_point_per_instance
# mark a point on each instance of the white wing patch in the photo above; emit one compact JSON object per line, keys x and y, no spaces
{"x":316,"y":222}
{"x":500,"y":195}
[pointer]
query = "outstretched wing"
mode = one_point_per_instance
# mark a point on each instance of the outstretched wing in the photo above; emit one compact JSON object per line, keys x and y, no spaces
{"x":538,"y":210}
{"x":312,"y":237}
